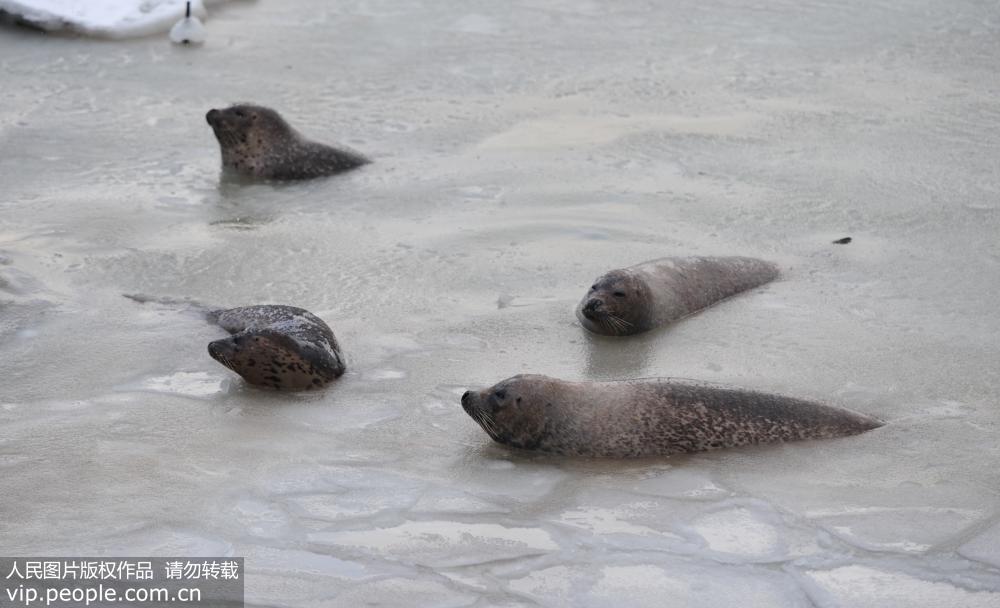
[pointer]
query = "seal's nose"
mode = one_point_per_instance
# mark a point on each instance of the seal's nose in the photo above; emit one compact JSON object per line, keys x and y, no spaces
{"x":212,"y":116}
{"x":467,"y":399}
{"x":219,"y":348}
{"x":592,"y":305}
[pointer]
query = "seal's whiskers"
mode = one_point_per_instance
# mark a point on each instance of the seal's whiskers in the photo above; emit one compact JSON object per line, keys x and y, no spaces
{"x":486,"y":421}
{"x":621,"y":320}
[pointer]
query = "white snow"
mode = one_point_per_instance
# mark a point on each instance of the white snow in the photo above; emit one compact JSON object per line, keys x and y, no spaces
{"x":104,"y":18}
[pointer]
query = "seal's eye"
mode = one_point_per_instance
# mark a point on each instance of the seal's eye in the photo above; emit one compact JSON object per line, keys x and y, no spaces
{"x":240,"y":113}
{"x":619,"y":294}
{"x":593,"y":287}
{"x":500,"y":394}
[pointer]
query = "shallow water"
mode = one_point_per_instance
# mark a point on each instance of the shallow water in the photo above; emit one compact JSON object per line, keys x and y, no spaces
{"x":520,"y":152}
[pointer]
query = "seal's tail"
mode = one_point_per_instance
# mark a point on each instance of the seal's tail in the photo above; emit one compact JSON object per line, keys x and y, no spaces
{"x":209,"y":312}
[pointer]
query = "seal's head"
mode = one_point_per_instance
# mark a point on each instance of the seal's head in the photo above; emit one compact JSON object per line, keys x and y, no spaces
{"x":617,"y":304}
{"x":273,"y":359}
{"x":515,"y":411}
{"x":245,"y":121}
{"x":248,"y":134}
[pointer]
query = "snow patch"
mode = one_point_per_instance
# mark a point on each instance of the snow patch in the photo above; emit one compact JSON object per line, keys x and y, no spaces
{"x":103,"y":18}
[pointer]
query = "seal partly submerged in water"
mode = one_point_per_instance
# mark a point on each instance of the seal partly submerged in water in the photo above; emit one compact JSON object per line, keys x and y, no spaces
{"x":280,"y":347}
{"x":648,"y":417}
{"x":638,"y":298}
{"x":276,"y":346}
{"x":257,"y":142}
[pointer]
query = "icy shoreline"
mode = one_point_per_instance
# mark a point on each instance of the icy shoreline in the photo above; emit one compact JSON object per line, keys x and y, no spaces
{"x":102,"y":18}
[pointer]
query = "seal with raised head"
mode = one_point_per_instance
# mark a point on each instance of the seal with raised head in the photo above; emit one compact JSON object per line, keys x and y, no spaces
{"x":647,"y":417}
{"x":632,"y":300}
{"x":257,"y":142}
{"x":281,"y":347}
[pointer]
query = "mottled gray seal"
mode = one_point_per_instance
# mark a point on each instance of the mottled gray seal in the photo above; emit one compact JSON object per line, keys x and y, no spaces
{"x":648,"y":417}
{"x":638,"y":298}
{"x":257,"y":142}
{"x":280,"y":347}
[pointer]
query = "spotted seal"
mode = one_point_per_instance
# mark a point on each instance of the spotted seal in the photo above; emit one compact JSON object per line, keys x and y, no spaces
{"x":281,"y":347}
{"x":638,"y":298}
{"x":648,"y":417}
{"x":257,"y":142}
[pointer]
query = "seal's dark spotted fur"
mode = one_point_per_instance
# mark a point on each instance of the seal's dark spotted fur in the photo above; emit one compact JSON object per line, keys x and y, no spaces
{"x":651,"y":417}
{"x":281,"y":347}
{"x":257,"y":142}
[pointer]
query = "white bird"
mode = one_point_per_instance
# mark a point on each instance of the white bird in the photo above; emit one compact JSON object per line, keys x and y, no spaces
{"x":188,"y":30}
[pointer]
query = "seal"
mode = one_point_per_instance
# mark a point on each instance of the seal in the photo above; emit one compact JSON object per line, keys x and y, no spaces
{"x":648,"y":417}
{"x":281,"y":347}
{"x":257,"y":142}
{"x":632,"y":300}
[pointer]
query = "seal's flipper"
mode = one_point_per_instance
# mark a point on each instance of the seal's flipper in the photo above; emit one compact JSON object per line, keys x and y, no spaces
{"x":211,"y":314}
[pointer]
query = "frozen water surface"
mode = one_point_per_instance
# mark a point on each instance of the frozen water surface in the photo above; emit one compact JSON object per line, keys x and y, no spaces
{"x":521,"y":150}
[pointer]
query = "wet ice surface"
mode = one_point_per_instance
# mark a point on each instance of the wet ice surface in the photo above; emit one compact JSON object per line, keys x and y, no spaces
{"x":520,"y":152}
